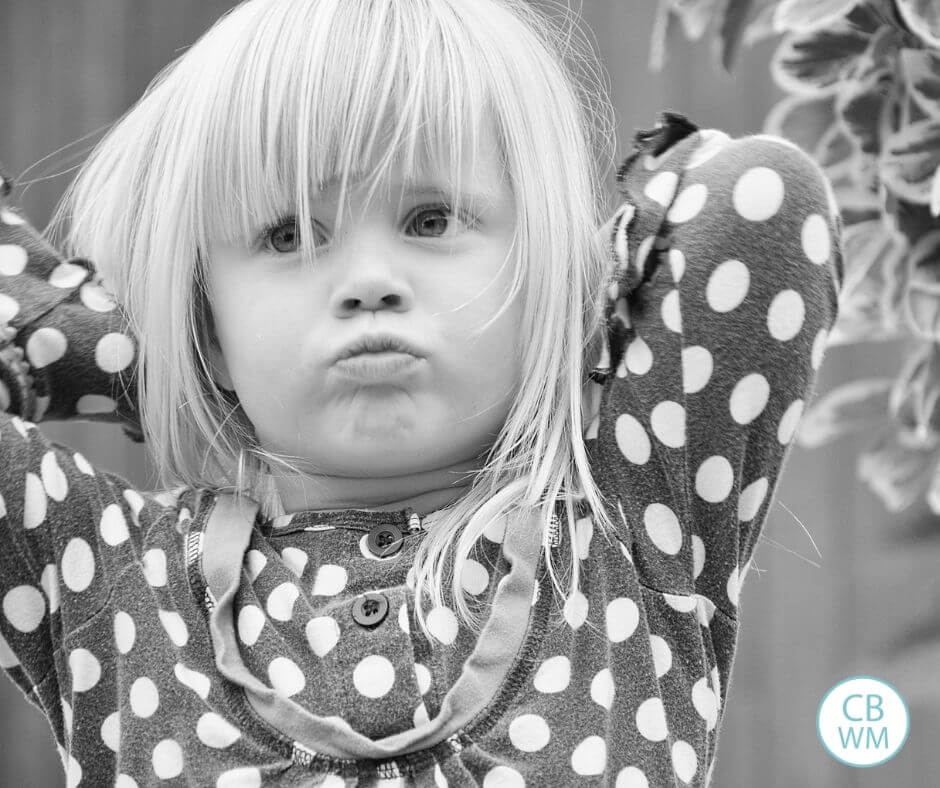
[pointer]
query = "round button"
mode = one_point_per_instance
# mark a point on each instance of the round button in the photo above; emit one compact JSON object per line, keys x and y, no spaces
{"x":385,"y":540}
{"x":370,"y":609}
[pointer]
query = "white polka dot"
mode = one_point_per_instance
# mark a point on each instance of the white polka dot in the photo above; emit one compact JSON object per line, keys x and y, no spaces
{"x":676,"y":264}
{"x":67,"y":275}
{"x":280,"y":604}
{"x":4,"y":397}
{"x":34,"y":504}
{"x":113,"y":527}
{"x":50,"y":584}
{"x":167,"y":759}
{"x":136,"y":502}
{"x":442,"y":624}
{"x":672,"y":317}
{"x":125,"y":632}
{"x":9,"y":217}
{"x":7,"y":658}
{"x":111,"y":731}
{"x":714,"y":479}
{"x":602,"y":688}
{"x":713,"y":142}
{"x":78,"y":565}
{"x":642,"y":252}
{"x":727,"y":286}
{"x":495,"y":530}
{"x":632,"y":439}
{"x":529,"y":732}
{"x":503,"y":777}
{"x":242,"y":777}
{"x":749,"y":398}
{"x":295,"y":559}
{"x":13,"y":259}
{"x":196,"y":681}
{"x":330,"y":580}
{"x":688,"y":203}
{"x":216,"y":732}
{"x":96,"y":298}
{"x":751,"y":499}
{"x":553,"y":675}
{"x":474,"y":579}
{"x":632,"y":777}
{"x":66,"y":716}
{"x":733,"y":586}
{"x":684,"y":603}
{"x":703,"y":699}
{"x":123,"y":781}
{"x":256,"y":561}
{"x":420,"y":716}
{"x":662,"y":655}
{"x":53,"y":479}
{"x":623,"y":616}
{"x":590,"y":756}
{"x":322,"y":634}
{"x":144,"y":697}
{"x":696,"y":368}
{"x":576,"y":609}
{"x":815,"y":239}
{"x":790,"y":421}
{"x":24,"y":607}
{"x":85,"y":669}
{"x":374,"y":676}
{"x":663,"y":528}
{"x":758,"y":194}
{"x":584,"y":532}
{"x":785,"y":316}
{"x":661,"y":187}
{"x":175,"y":627}
{"x":155,"y":567}
{"x":250,"y":624}
{"x":114,"y":352}
{"x":639,"y":357}
{"x":45,"y":346}
{"x":9,"y":308}
{"x":286,"y":678}
{"x":668,"y":422}
{"x":819,"y":348}
{"x":423,"y":675}
{"x":651,"y":719}
{"x":684,"y":760}
{"x":73,"y":773}
{"x":95,"y":403}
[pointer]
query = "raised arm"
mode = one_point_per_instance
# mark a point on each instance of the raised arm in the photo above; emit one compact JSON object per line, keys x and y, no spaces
{"x":72,"y":354}
{"x":728,"y":264}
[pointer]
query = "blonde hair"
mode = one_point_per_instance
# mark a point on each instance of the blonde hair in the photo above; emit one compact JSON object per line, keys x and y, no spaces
{"x":277,"y":88}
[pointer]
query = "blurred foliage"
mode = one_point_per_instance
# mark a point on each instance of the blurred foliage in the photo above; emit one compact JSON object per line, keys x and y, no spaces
{"x":862,"y":79}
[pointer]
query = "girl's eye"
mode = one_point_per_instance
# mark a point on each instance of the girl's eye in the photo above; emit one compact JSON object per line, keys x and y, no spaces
{"x":430,"y":221}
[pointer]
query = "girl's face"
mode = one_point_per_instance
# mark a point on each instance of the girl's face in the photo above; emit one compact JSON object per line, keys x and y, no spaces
{"x":408,"y":266}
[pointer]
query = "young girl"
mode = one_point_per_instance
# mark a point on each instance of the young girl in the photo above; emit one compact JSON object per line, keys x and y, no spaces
{"x":511,"y":555}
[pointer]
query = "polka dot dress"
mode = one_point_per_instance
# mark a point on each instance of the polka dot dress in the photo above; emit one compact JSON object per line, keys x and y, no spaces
{"x":727,"y":268}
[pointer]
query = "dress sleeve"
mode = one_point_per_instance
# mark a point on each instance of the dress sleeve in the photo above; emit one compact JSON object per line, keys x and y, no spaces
{"x":727,"y":266}
{"x":74,"y":337}
{"x":67,"y":530}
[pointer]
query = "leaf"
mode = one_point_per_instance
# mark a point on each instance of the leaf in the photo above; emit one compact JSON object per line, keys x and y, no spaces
{"x":921,"y":72}
{"x":896,"y":470}
{"x":923,"y":290}
{"x":872,"y":294}
{"x":910,"y":159}
{"x":762,"y":27}
{"x":696,"y":15}
{"x":935,"y":194}
{"x":804,"y":119}
{"x":923,"y":19}
{"x":916,"y":392}
{"x":659,"y":36}
{"x":851,"y":407}
{"x":804,"y":16}
{"x":811,"y":62}
{"x":731,"y":30}
{"x":912,"y":220}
